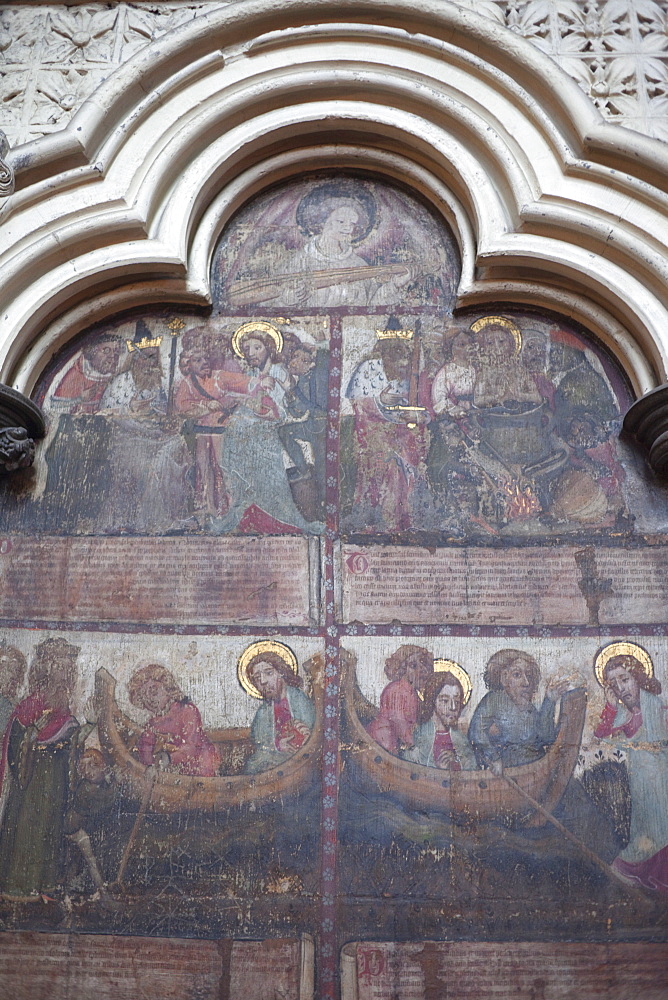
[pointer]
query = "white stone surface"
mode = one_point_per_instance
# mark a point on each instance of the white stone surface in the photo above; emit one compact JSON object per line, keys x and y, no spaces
{"x":122,"y":206}
{"x":53,"y":56}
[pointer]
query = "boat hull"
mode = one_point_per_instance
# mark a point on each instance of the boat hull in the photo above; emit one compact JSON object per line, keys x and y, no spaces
{"x":170,"y":793}
{"x":475,"y":796}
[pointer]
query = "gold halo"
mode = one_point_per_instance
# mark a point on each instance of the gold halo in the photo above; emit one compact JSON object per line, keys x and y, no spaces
{"x":257,"y":326}
{"x":440,"y":666}
{"x":263,"y":646}
{"x":480,"y":324}
{"x":622,"y":649}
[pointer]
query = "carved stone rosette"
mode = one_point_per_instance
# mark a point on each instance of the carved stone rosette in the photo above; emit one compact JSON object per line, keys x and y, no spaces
{"x":647,"y":421}
{"x":21,"y":421}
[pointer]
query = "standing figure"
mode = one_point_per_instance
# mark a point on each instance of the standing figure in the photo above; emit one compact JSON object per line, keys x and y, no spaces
{"x":77,"y":444}
{"x":506,"y":727}
{"x":284,"y":720}
{"x":389,"y":450}
{"x":12,"y":672}
{"x":407,"y":669}
{"x":252,"y":453}
{"x":173,"y":737}
{"x":205,"y":396}
{"x":82,"y":387}
{"x":438,"y":741}
{"x":148,"y":492}
{"x":635,"y":719}
{"x":306,"y":406}
{"x":37,"y":760}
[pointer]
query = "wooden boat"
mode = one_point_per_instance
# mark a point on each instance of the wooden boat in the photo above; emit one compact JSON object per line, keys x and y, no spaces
{"x":166,"y":792}
{"x":475,"y":796}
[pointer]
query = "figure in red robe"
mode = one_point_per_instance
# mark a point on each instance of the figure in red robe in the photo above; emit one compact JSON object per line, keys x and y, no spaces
{"x":407,"y":670}
{"x":173,"y":737}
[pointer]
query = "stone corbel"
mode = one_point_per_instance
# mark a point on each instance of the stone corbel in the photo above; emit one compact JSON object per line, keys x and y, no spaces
{"x":21,"y":421}
{"x":647,"y":422}
{"x":6,"y":172}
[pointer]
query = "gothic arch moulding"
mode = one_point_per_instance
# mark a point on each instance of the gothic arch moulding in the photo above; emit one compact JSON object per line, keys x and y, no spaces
{"x":550,"y":205}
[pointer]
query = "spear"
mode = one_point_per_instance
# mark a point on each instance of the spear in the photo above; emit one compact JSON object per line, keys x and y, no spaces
{"x":174,"y":326}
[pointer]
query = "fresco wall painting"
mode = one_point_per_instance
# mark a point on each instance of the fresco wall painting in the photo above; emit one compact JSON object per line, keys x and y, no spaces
{"x":336,"y":614}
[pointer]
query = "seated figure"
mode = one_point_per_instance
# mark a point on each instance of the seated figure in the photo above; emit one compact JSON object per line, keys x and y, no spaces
{"x":438,"y":741}
{"x":284,"y":720}
{"x":506,"y":727}
{"x":173,"y":737}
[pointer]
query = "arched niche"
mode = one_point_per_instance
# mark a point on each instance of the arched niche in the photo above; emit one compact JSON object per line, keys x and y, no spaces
{"x":550,"y":206}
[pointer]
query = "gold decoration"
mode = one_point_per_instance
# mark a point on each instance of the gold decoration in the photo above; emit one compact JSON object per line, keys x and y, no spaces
{"x":256,"y":326}
{"x":441,"y":666}
{"x":139,"y":345}
{"x":263,"y":646}
{"x":175,"y":326}
{"x":395,"y":334}
{"x":508,"y":324}
{"x":622,"y":649}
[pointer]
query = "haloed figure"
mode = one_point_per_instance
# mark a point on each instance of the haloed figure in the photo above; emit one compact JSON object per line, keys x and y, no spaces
{"x":252,"y":452}
{"x":407,"y":670}
{"x":438,"y":741}
{"x":173,"y":737}
{"x":635,"y":718}
{"x":284,"y":720}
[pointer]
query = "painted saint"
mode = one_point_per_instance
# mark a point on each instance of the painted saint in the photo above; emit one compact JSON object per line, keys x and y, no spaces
{"x":635,"y":718}
{"x":283,"y":722}
{"x":437,"y":739}
{"x":37,"y":761}
{"x":340,"y":242}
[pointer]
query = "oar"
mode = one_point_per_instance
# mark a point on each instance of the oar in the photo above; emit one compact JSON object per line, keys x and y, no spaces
{"x":149,"y":781}
{"x":594,"y":858}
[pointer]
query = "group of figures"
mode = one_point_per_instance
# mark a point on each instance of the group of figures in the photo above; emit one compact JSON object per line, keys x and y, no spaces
{"x":502,"y":423}
{"x":232,"y":441}
{"x":63,"y":781}
{"x":500,"y":426}
{"x":418,"y":721}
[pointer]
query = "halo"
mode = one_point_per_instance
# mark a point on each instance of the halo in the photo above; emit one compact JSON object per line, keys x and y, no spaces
{"x":263,"y":646}
{"x":622,"y":649}
{"x":440,"y":666}
{"x":480,"y":324}
{"x":256,"y":326}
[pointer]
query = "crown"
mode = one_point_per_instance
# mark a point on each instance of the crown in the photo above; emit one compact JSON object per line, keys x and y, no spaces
{"x":139,"y":345}
{"x":394,"y":331}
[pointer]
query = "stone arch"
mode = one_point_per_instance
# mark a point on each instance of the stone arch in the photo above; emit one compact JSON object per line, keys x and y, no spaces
{"x":551,"y":206}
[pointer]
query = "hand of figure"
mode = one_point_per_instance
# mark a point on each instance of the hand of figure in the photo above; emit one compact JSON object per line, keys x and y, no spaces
{"x":610,"y":697}
{"x":496,"y":767}
{"x":301,"y":290}
{"x":389,"y":397}
{"x":494,"y":730}
{"x":399,"y":280}
{"x":140,"y":406}
{"x":558,"y":686}
{"x":267,"y":382}
{"x":297,"y":729}
{"x":446,"y":760}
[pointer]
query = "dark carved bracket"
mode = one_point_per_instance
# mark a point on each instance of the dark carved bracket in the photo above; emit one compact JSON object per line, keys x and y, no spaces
{"x":647,"y":421}
{"x":21,"y":421}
